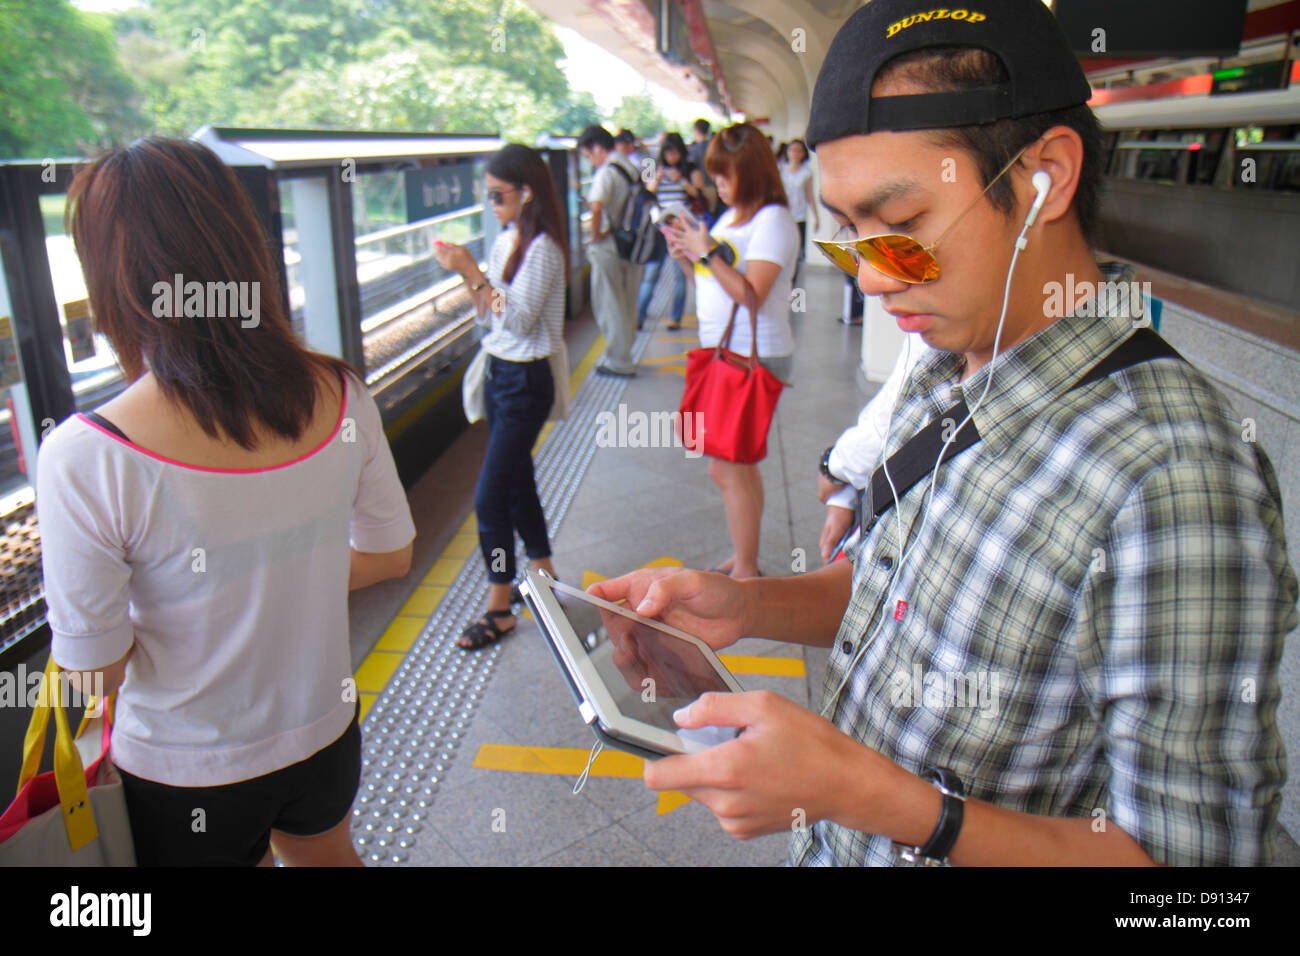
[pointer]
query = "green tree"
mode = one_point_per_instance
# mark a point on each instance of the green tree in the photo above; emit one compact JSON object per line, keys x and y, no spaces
{"x":639,"y":113}
{"x":581,"y":111}
{"x":55,"y":103}
{"x":415,"y":88}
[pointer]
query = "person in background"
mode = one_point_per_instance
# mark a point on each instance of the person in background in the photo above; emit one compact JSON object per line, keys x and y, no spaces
{"x":629,"y":147}
{"x":614,"y":280}
{"x":195,"y":529}
{"x":713,"y":206}
{"x":753,"y":243}
{"x":796,"y":177}
{"x":676,"y":182}
{"x":847,"y":466}
{"x":522,"y":299}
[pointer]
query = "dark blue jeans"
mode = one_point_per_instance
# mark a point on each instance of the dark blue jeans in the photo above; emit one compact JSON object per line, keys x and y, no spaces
{"x":517,"y":398}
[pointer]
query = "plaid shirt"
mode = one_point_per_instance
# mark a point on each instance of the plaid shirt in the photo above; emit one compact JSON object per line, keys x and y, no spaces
{"x":1095,"y":612}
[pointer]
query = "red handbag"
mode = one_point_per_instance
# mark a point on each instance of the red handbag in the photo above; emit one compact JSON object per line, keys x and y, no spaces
{"x":730,"y":399}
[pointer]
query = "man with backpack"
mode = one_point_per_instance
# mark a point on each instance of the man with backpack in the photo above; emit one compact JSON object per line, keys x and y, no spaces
{"x":614,"y":279}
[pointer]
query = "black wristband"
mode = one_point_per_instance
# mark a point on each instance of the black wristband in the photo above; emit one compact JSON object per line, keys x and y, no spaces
{"x":824,"y":466}
{"x":948,"y":828}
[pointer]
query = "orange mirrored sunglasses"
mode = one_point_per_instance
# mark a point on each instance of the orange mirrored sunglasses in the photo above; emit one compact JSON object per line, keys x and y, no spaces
{"x":895,"y":255}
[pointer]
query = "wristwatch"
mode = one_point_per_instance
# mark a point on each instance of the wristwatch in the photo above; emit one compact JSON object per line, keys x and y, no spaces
{"x":704,"y":259}
{"x":824,"y":466}
{"x":936,"y":849}
{"x":478,"y":285}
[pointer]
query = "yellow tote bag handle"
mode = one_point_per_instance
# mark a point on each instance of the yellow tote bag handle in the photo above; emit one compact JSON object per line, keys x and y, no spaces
{"x":69,"y":774}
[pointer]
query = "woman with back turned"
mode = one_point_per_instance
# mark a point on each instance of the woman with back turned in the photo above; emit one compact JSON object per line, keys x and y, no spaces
{"x":522,"y":299}
{"x":201,"y":531}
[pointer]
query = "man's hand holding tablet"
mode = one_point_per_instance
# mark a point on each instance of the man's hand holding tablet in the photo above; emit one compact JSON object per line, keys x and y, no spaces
{"x":789,"y":766}
{"x":710,"y":606}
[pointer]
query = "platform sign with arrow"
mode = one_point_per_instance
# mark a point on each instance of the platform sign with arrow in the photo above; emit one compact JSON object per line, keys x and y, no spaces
{"x":436,"y":190}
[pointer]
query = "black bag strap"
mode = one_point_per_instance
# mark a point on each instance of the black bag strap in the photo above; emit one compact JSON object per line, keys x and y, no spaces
{"x":918,"y":457}
{"x":104,"y":423}
{"x":622,"y":172}
{"x":632,"y":191}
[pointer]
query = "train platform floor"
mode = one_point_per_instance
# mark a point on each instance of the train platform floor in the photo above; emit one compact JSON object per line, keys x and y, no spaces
{"x":471,"y":756}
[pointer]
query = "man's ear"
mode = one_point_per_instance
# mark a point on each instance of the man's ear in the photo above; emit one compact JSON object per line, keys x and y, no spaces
{"x":1060,"y":155}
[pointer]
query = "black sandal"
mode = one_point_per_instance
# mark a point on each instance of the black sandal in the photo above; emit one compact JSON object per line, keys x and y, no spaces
{"x":484,"y":631}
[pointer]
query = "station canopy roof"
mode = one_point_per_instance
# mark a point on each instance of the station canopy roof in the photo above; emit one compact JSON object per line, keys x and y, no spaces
{"x":300,"y":148}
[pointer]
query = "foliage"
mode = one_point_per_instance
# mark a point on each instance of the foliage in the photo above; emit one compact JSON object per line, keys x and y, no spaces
{"x":639,"y":113}
{"x":75,"y":81}
{"x":55,"y":104}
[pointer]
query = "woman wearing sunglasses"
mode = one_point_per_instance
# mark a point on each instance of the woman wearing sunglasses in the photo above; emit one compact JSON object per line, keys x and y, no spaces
{"x":754,"y":242}
{"x":521,"y":299}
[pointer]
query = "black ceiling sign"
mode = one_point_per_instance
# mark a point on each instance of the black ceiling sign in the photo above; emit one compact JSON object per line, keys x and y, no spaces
{"x":1152,"y":28}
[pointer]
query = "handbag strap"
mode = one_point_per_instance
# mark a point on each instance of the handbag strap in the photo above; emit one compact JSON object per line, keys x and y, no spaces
{"x":751,"y":304}
{"x":69,"y":773}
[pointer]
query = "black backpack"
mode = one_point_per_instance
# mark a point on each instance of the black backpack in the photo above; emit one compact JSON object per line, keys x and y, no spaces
{"x":636,"y":237}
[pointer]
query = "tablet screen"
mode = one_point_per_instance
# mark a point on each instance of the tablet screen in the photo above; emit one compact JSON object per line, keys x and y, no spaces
{"x":648,"y":672}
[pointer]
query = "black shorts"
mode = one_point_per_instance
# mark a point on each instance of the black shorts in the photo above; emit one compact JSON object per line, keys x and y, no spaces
{"x":234,"y":826}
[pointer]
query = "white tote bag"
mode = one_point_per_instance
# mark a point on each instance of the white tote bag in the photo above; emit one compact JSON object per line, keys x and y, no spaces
{"x":471,"y":387}
{"x":560,"y":373}
{"x":71,"y":816}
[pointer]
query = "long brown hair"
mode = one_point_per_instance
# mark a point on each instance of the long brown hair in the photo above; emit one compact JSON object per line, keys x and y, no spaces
{"x":521,"y":166}
{"x":743,"y":155}
{"x":160,"y":208}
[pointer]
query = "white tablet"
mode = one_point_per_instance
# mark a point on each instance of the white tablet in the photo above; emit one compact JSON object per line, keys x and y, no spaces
{"x":628,"y":673}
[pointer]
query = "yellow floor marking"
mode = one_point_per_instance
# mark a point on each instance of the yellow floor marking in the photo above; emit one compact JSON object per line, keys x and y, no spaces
{"x":585,"y":365}
{"x":461,"y":546}
{"x":444,"y":571}
{"x":663,"y":562}
{"x":569,"y":761}
{"x":376,"y":670}
{"x":470,"y":526}
{"x":591,"y":577}
{"x":756,"y":664}
{"x":670,"y":800}
{"x":367,"y":701}
{"x":401,"y":633}
{"x":541,"y":437}
{"x":662,"y":359}
{"x":673,"y":369}
{"x":423,"y":601}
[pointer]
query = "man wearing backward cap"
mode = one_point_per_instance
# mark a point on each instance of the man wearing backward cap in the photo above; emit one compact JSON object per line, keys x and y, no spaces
{"x":1074,"y":658}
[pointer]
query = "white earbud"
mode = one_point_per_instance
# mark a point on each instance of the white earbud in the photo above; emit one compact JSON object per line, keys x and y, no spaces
{"x":528,"y":194}
{"x":1042,"y":184}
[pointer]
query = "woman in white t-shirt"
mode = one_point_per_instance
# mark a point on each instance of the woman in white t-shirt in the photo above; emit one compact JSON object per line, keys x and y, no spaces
{"x":195,"y":529}
{"x":753,"y":242}
{"x":796,"y":177}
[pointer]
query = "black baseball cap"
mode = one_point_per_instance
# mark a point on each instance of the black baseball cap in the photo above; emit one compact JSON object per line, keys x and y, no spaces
{"x":1043,"y":72}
